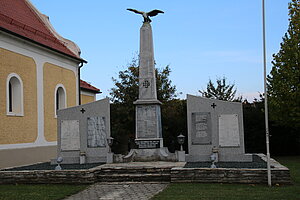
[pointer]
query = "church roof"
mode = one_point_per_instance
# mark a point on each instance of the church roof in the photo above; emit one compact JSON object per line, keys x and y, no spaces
{"x":87,"y":86}
{"x":22,"y":19}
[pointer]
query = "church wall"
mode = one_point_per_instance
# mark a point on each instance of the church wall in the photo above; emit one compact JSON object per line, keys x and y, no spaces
{"x":32,"y":139}
{"x":18,"y":129}
{"x":56,"y":75}
{"x":87,"y":97}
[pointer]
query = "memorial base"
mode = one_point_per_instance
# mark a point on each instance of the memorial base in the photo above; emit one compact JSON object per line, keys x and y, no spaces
{"x":110,"y":158}
{"x":222,"y":158}
{"x":180,"y":156}
{"x":157,"y":154}
{"x":78,"y":160}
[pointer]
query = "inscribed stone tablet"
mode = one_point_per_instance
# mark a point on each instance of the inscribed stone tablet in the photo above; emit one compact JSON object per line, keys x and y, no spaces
{"x":70,"y":139}
{"x":148,"y":144}
{"x":146,"y":121}
{"x":201,"y":128}
{"x":229,"y":130}
{"x":96,"y":136}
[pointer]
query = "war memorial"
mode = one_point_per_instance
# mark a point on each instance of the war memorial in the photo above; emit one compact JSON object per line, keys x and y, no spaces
{"x":216,"y":150}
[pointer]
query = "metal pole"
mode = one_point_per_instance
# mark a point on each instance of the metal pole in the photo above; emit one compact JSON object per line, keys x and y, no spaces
{"x":266,"y":95}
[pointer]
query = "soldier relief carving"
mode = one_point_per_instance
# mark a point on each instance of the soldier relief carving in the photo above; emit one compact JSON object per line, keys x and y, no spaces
{"x":96,"y":132}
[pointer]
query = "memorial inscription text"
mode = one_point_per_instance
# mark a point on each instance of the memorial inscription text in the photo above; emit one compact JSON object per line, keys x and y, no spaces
{"x":70,"y":138}
{"x":201,"y":128}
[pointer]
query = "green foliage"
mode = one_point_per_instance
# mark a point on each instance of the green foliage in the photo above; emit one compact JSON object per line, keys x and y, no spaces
{"x":284,"y":79}
{"x":126,"y":86}
{"x":222,"y":91}
{"x":174,"y":123}
{"x":125,"y":93}
{"x":254,"y":126}
{"x":283,"y":140}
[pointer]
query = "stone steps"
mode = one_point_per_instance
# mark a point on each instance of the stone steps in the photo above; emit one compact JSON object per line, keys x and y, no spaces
{"x":133,"y":174}
{"x":134,"y":178}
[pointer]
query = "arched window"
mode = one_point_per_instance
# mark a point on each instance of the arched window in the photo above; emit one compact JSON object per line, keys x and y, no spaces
{"x":14,"y":91}
{"x":60,"y":97}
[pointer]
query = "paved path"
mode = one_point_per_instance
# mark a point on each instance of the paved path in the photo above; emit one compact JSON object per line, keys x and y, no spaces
{"x":119,"y":191}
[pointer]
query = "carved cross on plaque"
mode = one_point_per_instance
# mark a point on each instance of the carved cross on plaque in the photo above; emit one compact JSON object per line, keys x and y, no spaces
{"x":213,"y":105}
{"x":82,"y":110}
{"x":146,"y":84}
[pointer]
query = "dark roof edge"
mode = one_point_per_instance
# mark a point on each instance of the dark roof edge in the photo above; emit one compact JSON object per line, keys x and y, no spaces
{"x":90,"y":90}
{"x":45,"y":46}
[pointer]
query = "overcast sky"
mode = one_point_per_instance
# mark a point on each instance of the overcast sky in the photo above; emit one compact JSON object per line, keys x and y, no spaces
{"x":200,"y":40}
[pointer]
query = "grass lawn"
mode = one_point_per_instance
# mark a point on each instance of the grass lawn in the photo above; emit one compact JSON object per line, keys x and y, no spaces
{"x":38,"y":192}
{"x":200,"y":191}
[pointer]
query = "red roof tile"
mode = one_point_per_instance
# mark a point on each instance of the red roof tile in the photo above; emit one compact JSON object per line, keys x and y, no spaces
{"x":87,"y":86}
{"x":18,"y":17}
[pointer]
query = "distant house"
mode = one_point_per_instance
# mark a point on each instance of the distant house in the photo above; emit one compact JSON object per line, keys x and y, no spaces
{"x":88,"y":92}
{"x":39,"y":74}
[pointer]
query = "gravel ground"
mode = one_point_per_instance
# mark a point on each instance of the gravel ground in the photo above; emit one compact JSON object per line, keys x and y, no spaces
{"x":256,"y":163}
{"x":47,"y":166}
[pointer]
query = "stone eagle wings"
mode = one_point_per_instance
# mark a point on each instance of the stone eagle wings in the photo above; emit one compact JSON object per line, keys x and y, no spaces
{"x":146,"y":15}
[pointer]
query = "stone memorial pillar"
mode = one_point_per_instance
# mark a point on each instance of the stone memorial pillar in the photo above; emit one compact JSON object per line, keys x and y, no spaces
{"x":149,"y":140}
{"x":148,"y":114}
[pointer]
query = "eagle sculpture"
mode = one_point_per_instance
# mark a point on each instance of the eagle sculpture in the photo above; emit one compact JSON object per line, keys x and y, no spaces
{"x":146,"y":15}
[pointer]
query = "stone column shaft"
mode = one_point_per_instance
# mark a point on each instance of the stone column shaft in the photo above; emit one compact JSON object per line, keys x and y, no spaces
{"x":147,"y":81}
{"x":148,"y":114}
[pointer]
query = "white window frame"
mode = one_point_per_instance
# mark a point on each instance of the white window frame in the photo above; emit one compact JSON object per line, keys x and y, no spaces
{"x":20,"y":113}
{"x":65,"y":93}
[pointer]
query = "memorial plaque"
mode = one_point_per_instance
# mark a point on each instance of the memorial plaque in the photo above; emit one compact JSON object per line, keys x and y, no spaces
{"x":201,"y":128}
{"x":146,"y":121}
{"x":229,"y":130}
{"x":70,"y":139}
{"x":96,"y":135}
{"x":148,"y":144}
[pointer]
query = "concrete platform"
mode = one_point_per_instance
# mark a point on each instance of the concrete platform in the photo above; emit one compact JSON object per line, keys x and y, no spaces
{"x":159,"y":172}
{"x":26,"y":156}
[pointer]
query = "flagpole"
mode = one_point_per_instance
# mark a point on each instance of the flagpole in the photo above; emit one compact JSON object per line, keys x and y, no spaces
{"x":266,"y":95}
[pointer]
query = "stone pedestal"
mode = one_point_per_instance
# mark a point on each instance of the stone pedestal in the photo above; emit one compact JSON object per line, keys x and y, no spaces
{"x":148,"y":126}
{"x":156,"y":154}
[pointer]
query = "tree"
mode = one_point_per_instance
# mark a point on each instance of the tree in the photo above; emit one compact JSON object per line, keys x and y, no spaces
{"x":223,"y":91}
{"x":126,"y":87}
{"x":254,"y":127}
{"x":283,"y":141}
{"x":125,"y":93}
{"x":284,"y":78}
